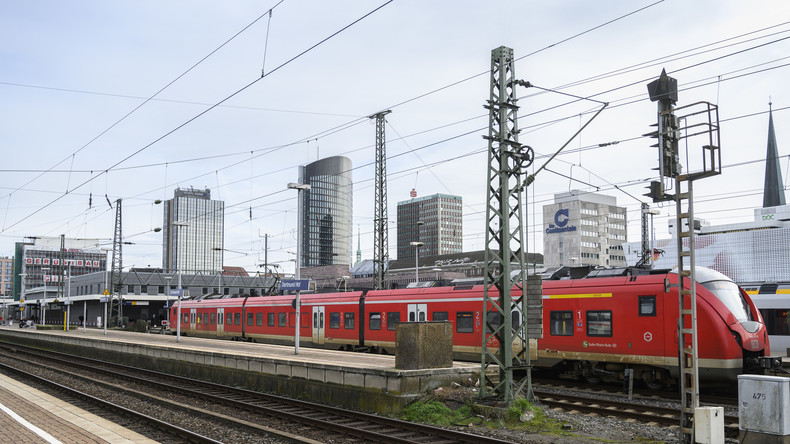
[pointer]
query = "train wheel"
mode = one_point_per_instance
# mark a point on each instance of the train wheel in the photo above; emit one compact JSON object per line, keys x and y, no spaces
{"x":655,"y":385}
{"x":592,"y":380}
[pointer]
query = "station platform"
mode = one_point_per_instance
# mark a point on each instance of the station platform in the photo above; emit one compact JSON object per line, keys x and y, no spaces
{"x":363,"y":381}
{"x":32,"y":416}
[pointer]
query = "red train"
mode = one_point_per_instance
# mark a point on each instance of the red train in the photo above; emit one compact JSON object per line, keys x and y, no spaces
{"x":593,"y":328}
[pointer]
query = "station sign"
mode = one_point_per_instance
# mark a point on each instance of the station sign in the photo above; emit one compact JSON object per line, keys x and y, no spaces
{"x":104,"y":299}
{"x":301,"y":284}
{"x":177,"y":292}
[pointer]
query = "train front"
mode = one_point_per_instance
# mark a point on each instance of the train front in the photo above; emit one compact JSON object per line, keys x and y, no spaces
{"x":748,"y":345}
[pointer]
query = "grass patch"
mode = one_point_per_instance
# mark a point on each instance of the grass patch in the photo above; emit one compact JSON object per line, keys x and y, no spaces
{"x":436,"y":413}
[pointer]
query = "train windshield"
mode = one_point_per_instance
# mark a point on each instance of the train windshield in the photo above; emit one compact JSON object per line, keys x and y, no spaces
{"x":729,"y":294}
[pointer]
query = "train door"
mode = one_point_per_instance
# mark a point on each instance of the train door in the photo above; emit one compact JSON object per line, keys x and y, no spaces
{"x":220,"y":321}
{"x":192,"y":319}
{"x":318,"y":324}
{"x":418,"y":312}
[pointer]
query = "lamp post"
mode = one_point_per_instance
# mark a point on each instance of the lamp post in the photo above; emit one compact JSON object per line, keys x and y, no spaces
{"x":180,"y":290}
{"x":416,"y":246}
{"x":44,"y":300}
{"x":437,"y":270}
{"x":22,"y":277}
{"x":167,"y":298}
{"x":68,"y":297}
{"x":652,"y":212}
{"x":299,"y":187}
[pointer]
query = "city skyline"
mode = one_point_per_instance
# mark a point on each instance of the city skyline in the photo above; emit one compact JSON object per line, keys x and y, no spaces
{"x":74,"y":71}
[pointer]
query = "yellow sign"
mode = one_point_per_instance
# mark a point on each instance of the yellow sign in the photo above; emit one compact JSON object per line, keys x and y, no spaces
{"x":106,"y":293}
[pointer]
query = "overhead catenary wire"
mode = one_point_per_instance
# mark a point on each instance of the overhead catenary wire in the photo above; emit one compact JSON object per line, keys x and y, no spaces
{"x":190,"y":120}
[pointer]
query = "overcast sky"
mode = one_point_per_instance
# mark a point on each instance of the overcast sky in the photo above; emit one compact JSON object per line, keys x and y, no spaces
{"x":77,"y":123}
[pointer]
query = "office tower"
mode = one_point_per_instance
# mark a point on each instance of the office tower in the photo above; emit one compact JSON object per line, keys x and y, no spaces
{"x":433,"y":220}
{"x":193,"y":232}
{"x":584,"y":228}
{"x":326,"y":212}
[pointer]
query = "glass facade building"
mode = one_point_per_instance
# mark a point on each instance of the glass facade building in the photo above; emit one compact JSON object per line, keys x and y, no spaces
{"x":326,"y":212}
{"x":193,"y":232}
{"x":441,"y":230}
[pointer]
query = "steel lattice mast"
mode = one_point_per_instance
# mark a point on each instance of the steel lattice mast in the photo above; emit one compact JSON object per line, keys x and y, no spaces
{"x":701,"y":120}
{"x":505,"y":242}
{"x":117,"y":265}
{"x":380,"y":243}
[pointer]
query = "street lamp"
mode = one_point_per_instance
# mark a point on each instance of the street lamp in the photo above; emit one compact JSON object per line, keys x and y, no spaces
{"x":652,"y":212}
{"x":68,"y":297}
{"x":167,"y":298}
{"x":22,"y":277}
{"x":180,"y":290}
{"x":416,"y":246}
{"x":299,"y":187}
{"x":44,"y":300}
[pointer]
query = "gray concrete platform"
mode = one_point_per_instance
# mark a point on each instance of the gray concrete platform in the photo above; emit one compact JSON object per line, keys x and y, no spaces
{"x":30,"y":416}
{"x":354,"y":380}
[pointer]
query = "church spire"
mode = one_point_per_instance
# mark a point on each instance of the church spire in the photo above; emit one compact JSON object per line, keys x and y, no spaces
{"x":359,"y":246}
{"x":773,"y":191}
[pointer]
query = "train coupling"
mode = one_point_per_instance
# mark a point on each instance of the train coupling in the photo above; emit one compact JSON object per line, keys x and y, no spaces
{"x":770,"y":362}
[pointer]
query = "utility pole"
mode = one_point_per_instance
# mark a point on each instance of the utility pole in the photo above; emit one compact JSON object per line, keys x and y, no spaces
{"x":116,"y":307}
{"x":380,"y":245}
{"x":699,"y":120}
{"x":505,"y":243}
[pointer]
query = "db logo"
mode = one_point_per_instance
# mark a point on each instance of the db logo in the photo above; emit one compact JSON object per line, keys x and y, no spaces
{"x":648,"y":336}
{"x":492,"y":342}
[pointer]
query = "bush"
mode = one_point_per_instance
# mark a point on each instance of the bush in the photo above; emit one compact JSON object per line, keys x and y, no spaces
{"x":140,"y":326}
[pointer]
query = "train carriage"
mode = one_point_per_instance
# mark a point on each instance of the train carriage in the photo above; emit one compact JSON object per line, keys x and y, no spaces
{"x":593,"y":328}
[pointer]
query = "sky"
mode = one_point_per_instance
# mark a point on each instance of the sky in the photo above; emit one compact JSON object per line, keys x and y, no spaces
{"x":133,"y":99}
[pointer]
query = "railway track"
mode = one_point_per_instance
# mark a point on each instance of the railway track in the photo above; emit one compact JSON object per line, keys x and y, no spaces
{"x":605,"y":402}
{"x":230,"y":407}
{"x":160,"y":431}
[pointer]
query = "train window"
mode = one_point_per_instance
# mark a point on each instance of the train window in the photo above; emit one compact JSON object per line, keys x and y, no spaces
{"x":250,"y":318}
{"x":515,"y":319}
{"x":213,"y":318}
{"x":777,"y":321}
{"x":599,"y":323}
{"x":647,"y":305}
{"x":315,"y":320}
{"x":270,"y":319}
{"x":393,"y":319}
{"x":281,"y":319}
{"x":493,"y":321}
{"x":374,"y":321}
{"x":236,"y":318}
{"x":259,"y":319}
{"x":193,"y":317}
{"x":440,"y":316}
{"x":219,"y":318}
{"x":412,"y":318}
{"x":229,"y":319}
{"x":464,"y":322}
{"x":348,"y":320}
{"x":186,"y":318}
{"x":561,"y":323}
{"x":334,"y":320}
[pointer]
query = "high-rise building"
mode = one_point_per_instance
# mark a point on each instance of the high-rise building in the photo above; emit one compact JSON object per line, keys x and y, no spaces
{"x":327,"y":233}
{"x":583,"y":228}
{"x":435,"y":220}
{"x":193,"y":232}
{"x":6,"y":276}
